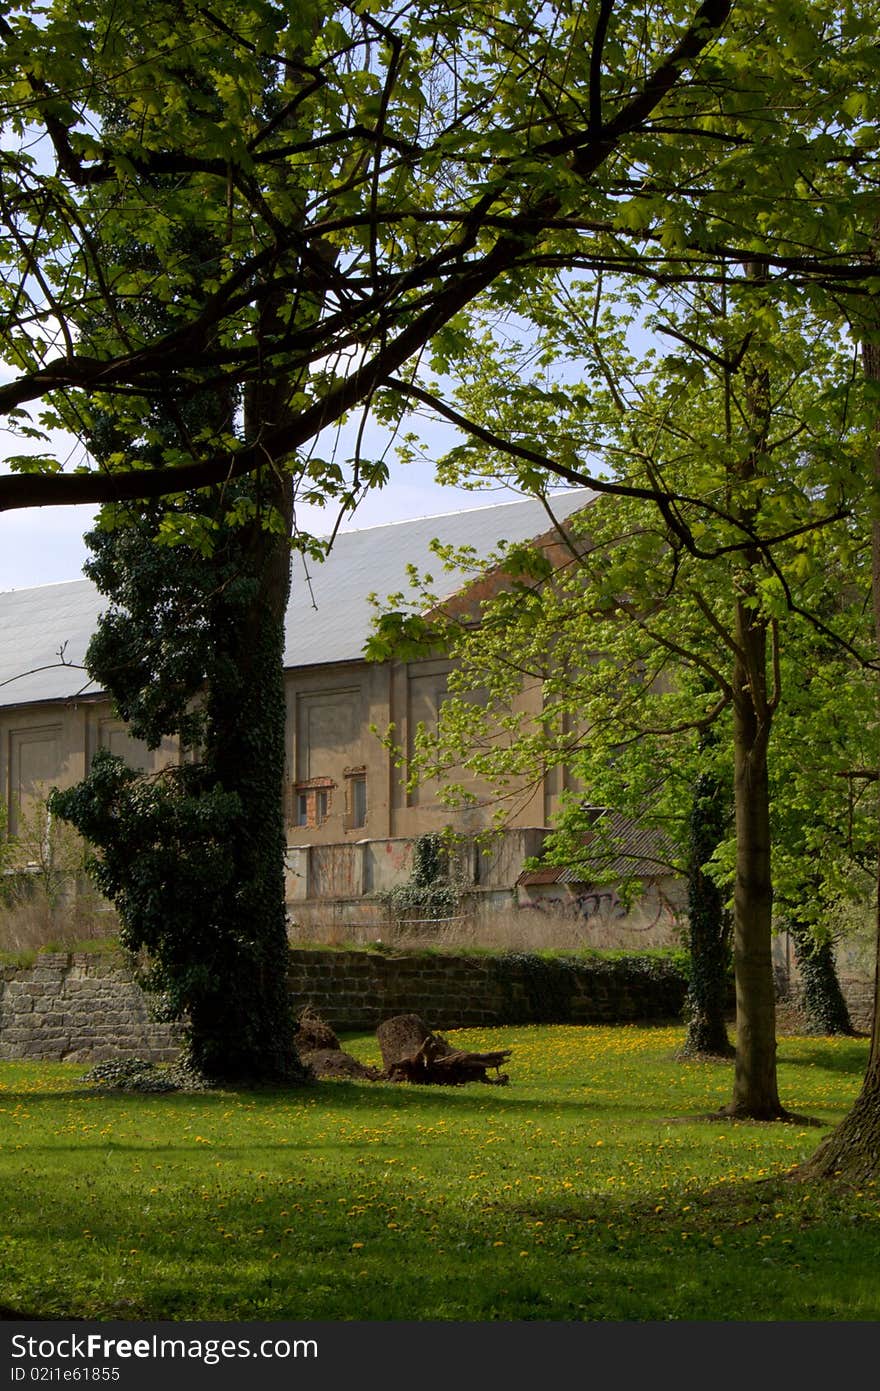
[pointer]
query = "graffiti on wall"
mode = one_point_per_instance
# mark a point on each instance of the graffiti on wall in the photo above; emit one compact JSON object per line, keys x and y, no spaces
{"x":604,"y":905}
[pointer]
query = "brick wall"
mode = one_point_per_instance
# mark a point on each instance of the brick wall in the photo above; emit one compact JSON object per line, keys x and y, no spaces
{"x":85,"y":1007}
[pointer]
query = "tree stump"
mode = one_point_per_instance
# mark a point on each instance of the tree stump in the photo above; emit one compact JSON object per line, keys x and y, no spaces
{"x":412,"y":1053}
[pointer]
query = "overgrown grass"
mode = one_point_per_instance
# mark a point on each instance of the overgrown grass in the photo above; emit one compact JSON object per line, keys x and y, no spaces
{"x":95,"y":946}
{"x":30,"y":923}
{"x":572,"y":1194}
{"x":427,"y":948}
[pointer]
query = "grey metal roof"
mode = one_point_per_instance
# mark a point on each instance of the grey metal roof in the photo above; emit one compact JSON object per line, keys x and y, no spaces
{"x":328,"y":617}
{"x":35,"y":624}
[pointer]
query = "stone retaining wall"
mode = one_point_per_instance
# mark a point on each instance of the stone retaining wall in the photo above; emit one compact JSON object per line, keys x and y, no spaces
{"x":79,"y":1007}
{"x":357,"y":990}
{"x":86,"y":1007}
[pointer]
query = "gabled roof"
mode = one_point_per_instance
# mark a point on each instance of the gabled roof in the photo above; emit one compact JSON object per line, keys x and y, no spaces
{"x":328,"y":617}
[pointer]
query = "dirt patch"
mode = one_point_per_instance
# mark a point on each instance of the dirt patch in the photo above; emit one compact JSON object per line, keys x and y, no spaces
{"x":334,"y":1062}
{"x":313,"y":1034}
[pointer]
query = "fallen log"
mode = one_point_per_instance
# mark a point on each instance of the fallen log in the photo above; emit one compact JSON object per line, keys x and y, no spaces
{"x":412,"y":1053}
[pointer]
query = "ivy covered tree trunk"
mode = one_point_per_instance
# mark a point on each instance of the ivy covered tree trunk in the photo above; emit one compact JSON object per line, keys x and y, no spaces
{"x":823,"y":1001}
{"x":192,"y":647}
{"x":755,"y":1092}
{"x":244,"y":1027}
{"x":194,"y":858}
{"x":708,"y":927}
{"x":851,"y":1153}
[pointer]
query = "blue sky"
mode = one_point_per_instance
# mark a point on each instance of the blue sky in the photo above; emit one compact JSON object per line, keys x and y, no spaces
{"x":44,"y":545}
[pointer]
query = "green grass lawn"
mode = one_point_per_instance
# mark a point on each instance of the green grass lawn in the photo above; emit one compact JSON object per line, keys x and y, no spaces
{"x":572,"y":1194}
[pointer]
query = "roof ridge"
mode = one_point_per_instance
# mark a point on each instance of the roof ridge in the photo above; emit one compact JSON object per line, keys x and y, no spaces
{"x":47,"y":584}
{"x":354,"y":531}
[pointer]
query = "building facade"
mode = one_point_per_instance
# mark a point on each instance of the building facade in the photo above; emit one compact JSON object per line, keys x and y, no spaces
{"x":351,"y":822}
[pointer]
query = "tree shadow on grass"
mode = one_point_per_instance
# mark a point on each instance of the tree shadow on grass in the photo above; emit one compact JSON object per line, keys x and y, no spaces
{"x":335,"y":1096}
{"x":728,"y":1205}
{"x":846,"y":1060}
{"x":730,"y":1118}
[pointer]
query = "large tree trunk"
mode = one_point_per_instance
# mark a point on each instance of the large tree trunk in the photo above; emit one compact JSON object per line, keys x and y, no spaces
{"x":755,"y":1092}
{"x":250,"y":1033}
{"x":852,"y":1151}
{"x":246,"y":751}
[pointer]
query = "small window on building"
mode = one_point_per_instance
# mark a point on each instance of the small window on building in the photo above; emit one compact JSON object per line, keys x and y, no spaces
{"x":311,"y":803}
{"x":355,"y":798}
{"x":359,"y":801}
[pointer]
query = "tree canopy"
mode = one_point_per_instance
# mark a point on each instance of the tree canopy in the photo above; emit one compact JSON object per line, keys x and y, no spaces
{"x":409,"y":160}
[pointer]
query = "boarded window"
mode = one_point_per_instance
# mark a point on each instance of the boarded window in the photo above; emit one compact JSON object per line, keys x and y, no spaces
{"x":328,"y":733}
{"x":312,"y":802}
{"x":355,"y":798}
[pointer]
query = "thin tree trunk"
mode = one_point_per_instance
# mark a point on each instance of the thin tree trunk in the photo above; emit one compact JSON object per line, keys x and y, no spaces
{"x":755,"y":1093}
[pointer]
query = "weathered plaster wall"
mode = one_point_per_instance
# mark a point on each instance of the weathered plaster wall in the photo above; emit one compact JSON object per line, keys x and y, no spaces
{"x":52,"y":745}
{"x":356,"y":869}
{"x":603,"y":919}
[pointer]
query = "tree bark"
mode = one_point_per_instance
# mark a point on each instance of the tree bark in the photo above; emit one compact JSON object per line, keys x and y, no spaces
{"x":755,"y":1093}
{"x":852,"y":1151}
{"x":412,"y":1053}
